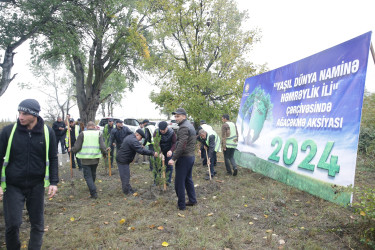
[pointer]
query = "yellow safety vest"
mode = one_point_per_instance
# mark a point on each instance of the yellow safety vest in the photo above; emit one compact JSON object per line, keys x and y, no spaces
{"x":90,"y":146}
{"x":230,"y":143}
{"x":217,"y":140}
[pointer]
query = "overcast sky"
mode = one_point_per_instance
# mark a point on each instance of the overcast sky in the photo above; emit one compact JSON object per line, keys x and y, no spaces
{"x":291,"y":30}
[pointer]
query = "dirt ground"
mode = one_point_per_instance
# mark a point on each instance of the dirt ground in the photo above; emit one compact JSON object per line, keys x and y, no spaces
{"x":248,"y":211}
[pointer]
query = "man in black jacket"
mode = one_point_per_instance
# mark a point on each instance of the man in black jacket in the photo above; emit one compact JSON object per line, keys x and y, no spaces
{"x":125,"y":155}
{"x":27,"y":172}
{"x":60,"y":130}
{"x":184,"y":158}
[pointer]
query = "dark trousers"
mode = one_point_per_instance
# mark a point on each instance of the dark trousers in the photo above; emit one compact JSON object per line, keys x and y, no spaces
{"x":14,"y":199}
{"x":203,"y":155}
{"x":184,"y":180}
{"x":74,"y":158}
{"x":61,"y":139}
{"x":213,"y":163}
{"x":228,"y":159}
{"x":168,"y":169}
{"x":124,"y":172}
{"x":89,"y":173}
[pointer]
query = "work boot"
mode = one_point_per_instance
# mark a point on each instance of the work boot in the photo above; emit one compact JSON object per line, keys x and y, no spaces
{"x":235,"y":172}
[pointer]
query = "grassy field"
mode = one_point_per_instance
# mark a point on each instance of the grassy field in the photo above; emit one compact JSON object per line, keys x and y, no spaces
{"x":248,"y":211}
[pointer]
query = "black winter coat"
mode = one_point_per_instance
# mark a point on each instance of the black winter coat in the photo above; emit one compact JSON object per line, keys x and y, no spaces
{"x":56,"y":125}
{"x":118,"y":135}
{"x":129,"y":147}
{"x":27,"y":161}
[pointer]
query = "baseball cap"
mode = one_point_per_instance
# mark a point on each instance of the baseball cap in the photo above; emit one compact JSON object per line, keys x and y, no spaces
{"x":119,"y":121}
{"x":179,"y":111}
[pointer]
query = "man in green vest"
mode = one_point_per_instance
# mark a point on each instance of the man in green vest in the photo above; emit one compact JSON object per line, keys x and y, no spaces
{"x":212,"y":142}
{"x":90,"y":147}
{"x":229,"y":141}
{"x":28,"y":162}
{"x":74,"y":132}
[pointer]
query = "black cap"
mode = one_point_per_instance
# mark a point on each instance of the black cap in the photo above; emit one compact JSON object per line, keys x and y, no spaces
{"x":179,"y":111}
{"x":110,"y":119}
{"x":30,"y":106}
{"x":145,"y":121}
{"x":163,"y":125}
{"x":118,"y":121}
{"x":71,"y":120}
{"x":140,"y":131}
{"x":203,"y":122}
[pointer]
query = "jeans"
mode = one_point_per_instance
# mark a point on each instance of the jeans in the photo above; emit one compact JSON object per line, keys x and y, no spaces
{"x":184,"y":180}
{"x":61,"y":139}
{"x":89,"y":173}
{"x":213,"y":163}
{"x":124,"y":172}
{"x":14,"y":199}
{"x":228,"y":158}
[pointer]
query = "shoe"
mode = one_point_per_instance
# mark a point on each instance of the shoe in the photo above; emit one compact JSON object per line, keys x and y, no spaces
{"x":94,"y":196}
{"x":64,"y":152}
{"x":191,"y":203}
{"x":235,"y":172}
{"x":181,"y":208}
{"x":229,"y":172}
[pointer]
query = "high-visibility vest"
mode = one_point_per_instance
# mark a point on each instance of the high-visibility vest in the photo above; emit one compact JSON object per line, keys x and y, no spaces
{"x":7,"y":154}
{"x":230,"y":143}
{"x":217,"y":140}
{"x":76,"y":133}
{"x":151,"y":128}
{"x":90,"y":146}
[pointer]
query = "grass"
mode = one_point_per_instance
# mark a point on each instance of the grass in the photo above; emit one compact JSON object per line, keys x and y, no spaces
{"x":248,"y":211}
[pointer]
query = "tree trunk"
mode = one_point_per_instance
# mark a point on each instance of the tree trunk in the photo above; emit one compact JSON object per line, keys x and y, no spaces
{"x":7,"y":70}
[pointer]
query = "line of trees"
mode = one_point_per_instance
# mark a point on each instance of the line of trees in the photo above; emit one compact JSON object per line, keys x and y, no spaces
{"x":197,"y":49}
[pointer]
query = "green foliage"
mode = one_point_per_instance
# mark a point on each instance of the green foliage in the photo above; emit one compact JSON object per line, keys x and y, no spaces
{"x":200,"y":57}
{"x":365,"y":206}
{"x":366,"y":143}
{"x":158,"y":164}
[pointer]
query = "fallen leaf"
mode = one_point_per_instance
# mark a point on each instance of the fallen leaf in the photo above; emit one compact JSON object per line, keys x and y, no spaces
{"x":295,"y":214}
{"x":106,"y":222}
{"x":181,"y":215}
{"x":214,"y":197}
{"x":251,"y":223}
{"x":265,"y":237}
{"x":99,"y":181}
{"x":132,"y":228}
{"x":210,"y":214}
{"x":161,"y":228}
{"x":122,"y":221}
{"x":269,"y":231}
{"x":109,"y":204}
{"x":263,"y":198}
{"x":72,"y":219}
{"x":265,"y":216}
{"x":50,"y":199}
{"x":196,"y":185}
{"x":362,"y":213}
{"x":220,"y":181}
{"x":302,"y":228}
{"x":213,"y":225}
{"x":255,"y":218}
{"x":245,"y":205}
{"x":281,"y":242}
{"x":165,"y":244}
{"x":135,"y":194}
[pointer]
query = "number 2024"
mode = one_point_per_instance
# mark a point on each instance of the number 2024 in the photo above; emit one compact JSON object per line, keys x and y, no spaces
{"x":332,"y":166}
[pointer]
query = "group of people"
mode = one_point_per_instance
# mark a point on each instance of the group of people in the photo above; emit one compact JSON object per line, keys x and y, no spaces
{"x":29,"y":161}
